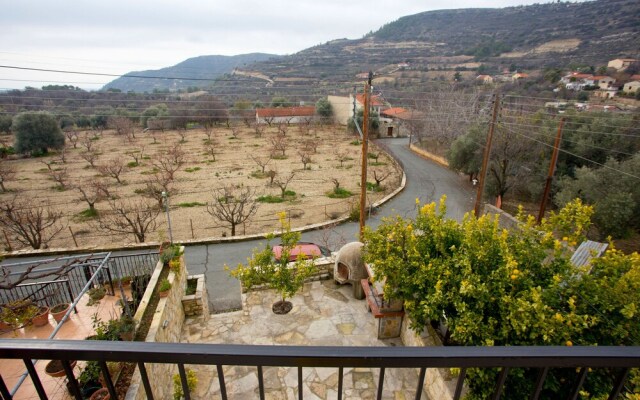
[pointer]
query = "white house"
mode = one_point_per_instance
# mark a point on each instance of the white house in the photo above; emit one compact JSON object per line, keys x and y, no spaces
{"x":631,"y":87}
{"x":289,"y":115}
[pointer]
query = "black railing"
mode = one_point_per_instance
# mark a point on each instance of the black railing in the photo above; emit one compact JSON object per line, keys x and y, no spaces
{"x":47,"y":293}
{"x":619,"y":359}
{"x":80,"y":270}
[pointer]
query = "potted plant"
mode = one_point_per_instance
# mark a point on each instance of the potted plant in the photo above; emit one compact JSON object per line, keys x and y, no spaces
{"x":174,"y":265}
{"x":18,"y":313}
{"x":95,"y":295}
{"x":59,"y":310}
{"x":42,"y":318}
{"x":55,"y":369}
{"x":163,"y":288}
{"x":100,"y":394}
{"x":89,"y":379}
{"x":126,"y":326}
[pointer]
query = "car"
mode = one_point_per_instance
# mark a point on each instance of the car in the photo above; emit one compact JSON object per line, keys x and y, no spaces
{"x":302,"y":249}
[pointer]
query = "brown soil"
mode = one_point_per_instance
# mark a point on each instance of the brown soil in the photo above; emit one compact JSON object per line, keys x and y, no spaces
{"x":195,"y":181}
{"x":281,"y":307}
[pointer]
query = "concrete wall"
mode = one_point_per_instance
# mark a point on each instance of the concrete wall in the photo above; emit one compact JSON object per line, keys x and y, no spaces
{"x":439,"y":383}
{"x":197,"y":304}
{"x":505,"y":220}
{"x":342,"y":108}
{"x":166,"y":326}
{"x":423,"y":153}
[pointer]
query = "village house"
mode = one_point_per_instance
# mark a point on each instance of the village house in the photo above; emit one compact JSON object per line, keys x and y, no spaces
{"x":394,"y":122}
{"x":621,"y":64}
{"x":519,"y":75}
{"x":289,"y":115}
{"x":376,"y":103}
{"x":631,"y":87}
{"x":485,"y":79}
{"x":603,"y":81}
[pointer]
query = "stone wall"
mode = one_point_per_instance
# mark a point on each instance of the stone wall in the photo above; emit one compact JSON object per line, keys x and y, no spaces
{"x":197,"y":303}
{"x":439,"y":383}
{"x":505,"y":220}
{"x":166,"y":326}
{"x":422,"y":152}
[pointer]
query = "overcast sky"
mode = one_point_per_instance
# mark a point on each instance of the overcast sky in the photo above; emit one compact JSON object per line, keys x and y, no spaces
{"x":117,"y":36}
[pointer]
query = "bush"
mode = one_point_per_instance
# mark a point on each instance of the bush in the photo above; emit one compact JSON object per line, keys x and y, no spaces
{"x":339,"y":193}
{"x":192,"y":381}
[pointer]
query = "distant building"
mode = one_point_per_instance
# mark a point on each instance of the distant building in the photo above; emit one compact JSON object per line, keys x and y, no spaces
{"x":519,"y":75}
{"x":289,"y":115}
{"x":621,"y":64}
{"x":485,"y":79}
{"x":631,"y":87}
{"x":603,"y":81}
{"x":342,"y":107}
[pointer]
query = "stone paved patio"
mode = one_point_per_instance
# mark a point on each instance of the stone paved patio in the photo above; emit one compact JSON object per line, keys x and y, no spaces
{"x":324,"y":314}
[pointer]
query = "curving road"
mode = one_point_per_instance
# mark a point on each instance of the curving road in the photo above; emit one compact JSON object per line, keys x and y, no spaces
{"x":426,"y":181}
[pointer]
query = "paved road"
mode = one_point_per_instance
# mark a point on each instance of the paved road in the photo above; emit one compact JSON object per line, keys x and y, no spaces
{"x":426,"y":181}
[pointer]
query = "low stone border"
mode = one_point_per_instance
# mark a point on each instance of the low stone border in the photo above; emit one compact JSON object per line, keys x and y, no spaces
{"x":198,"y":303}
{"x":430,"y":156}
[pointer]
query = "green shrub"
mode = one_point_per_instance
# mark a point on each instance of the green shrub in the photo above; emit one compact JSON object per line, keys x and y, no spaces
{"x":270,"y":199}
{"x":191,"y":204}
{"x":192,"y":381}
{"x":339,"y":193}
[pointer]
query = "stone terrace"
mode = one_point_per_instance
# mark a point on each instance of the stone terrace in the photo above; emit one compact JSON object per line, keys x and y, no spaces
{"x":323,"y":314}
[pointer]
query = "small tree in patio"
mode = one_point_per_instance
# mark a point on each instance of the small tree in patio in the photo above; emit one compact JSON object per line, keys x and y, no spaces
{"x":284,"y":277}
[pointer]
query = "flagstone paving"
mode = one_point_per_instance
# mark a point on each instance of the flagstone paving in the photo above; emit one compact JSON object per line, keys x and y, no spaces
{"x":323,"y":314}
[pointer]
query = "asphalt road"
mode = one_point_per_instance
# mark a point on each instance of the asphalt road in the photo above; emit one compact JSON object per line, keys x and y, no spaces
{"x":426,"y":181}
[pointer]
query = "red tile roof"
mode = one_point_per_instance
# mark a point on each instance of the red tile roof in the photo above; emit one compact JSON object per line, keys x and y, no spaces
{"x":393,"y":112}
{"x":376,"y":101}
{"x":306,"y":111}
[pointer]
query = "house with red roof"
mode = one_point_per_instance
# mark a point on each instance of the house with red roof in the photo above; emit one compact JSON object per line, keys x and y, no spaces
{"x":397,"y":121}
{"x":288,"y":115}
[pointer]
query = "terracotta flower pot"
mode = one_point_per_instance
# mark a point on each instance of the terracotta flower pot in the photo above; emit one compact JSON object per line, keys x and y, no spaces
{"x":42,"y":318}
{"x":54,"y":368}
{"x":101,"y":394}
{"x":164,"y":293}
{"x":59,"y":310}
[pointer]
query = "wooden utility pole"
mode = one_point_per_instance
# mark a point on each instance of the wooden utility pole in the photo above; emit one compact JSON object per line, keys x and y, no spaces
{"x":552,"y":170}
{"x":487,"y":153}
{"x":365,"y":150}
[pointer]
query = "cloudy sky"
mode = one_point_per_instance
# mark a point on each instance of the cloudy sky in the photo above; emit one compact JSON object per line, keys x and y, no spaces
{"x":117,"y":36}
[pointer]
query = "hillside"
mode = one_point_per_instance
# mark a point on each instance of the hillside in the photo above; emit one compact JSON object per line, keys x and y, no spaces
{"x":202,"y":67}
{"x":529,"y":36}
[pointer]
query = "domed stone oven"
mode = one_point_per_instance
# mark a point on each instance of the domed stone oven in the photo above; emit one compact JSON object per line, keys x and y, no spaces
{"x":349,"y":268}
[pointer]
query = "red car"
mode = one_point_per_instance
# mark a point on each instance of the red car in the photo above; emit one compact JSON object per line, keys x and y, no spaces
{"x":302,"y":249}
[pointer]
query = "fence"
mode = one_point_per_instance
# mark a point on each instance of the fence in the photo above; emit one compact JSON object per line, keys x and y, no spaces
{"x":617,"y":359}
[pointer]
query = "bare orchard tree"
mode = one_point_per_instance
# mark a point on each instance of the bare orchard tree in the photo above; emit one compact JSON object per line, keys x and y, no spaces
{"x":283,"y":181}
{"x":72,"y":137}
{"x":261,"y":161}
{"x":92,"y":193}
{"x":169,"y":161}
{"x":87,"y":142}
{"x":30,"y":225}
{"x":90,"y":156}
{"x":379,"y":176}
{"x":211,"y":148}
{"x":271,"y":174}
{"x":305,"y":158}
{"x":112,"y":168}
{"x":258,"y":129}
{"x":448,"y":113}
{"x":123,"y":127}
{"x":7,"y":174}
{"x":137,"y":155}
{"x":233,"y":205}
{"x":235,"y":131}
{"x":136,"y":218}
{"x":283,"y":128}
{"x":279,"y":144}
{"x":342,"y":156}
{"x":311,"y":145}
{"x":154,"y":187}
{"x":59,"y":175}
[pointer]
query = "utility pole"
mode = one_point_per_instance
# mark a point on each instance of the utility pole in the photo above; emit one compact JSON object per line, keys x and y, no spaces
{"x":487,"y":153}
{"x":552,"y":170}
{"x":165,"y":197}
{"x":365,"y":149}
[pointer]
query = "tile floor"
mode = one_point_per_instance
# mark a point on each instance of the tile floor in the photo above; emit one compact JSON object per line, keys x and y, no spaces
{"x":78,"y":326}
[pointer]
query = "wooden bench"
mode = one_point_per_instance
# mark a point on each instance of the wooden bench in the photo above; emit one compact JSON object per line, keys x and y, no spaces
{"x":389,"y":320}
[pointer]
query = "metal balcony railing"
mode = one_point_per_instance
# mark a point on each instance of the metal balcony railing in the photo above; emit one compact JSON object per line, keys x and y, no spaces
{"x":618,"y":359}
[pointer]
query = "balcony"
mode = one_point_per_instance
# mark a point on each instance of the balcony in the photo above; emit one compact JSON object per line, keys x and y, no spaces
{"x":326,"y":348}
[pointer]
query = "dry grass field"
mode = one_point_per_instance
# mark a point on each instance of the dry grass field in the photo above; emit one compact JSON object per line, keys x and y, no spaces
{"x":195,"y":181}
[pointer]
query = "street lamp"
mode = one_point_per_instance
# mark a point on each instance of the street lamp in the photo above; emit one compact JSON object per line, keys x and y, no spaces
{"x":165,"y":198}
